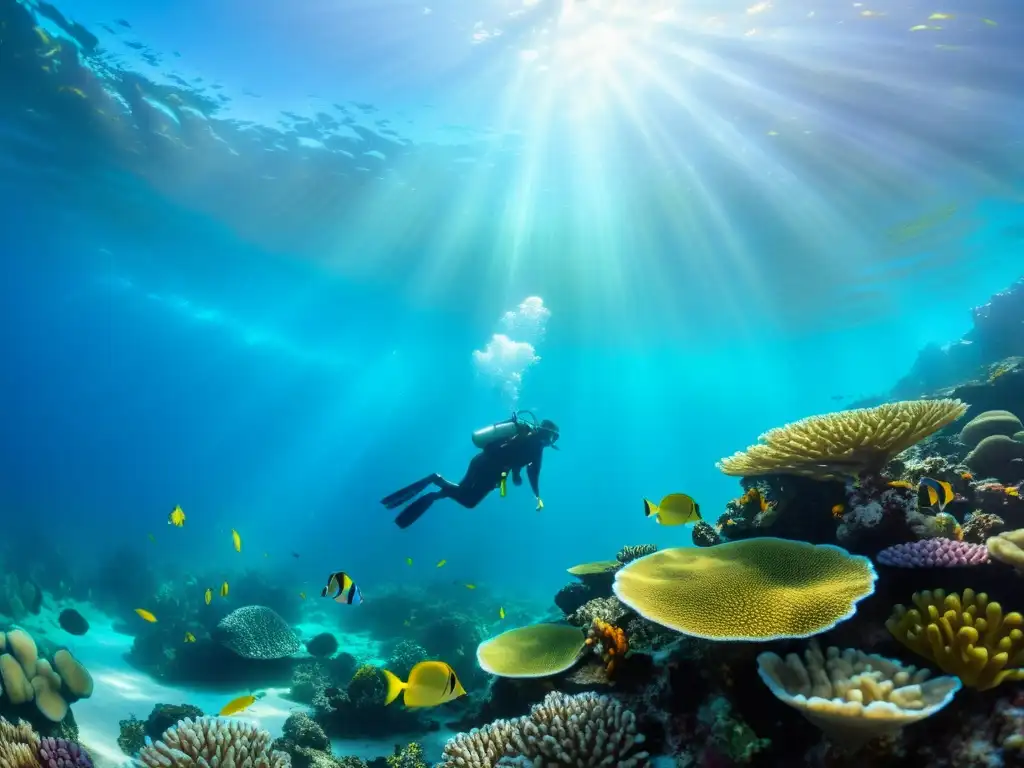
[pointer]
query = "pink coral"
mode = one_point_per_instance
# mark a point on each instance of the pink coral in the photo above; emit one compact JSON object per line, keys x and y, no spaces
{"x":933,"y":553}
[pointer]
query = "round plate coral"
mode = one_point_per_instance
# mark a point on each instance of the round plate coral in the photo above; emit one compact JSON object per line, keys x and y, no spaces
{"x":756,"y":589}
{"x":538,"y":650}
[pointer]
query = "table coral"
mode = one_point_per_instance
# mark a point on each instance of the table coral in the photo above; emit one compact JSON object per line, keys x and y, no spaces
{"x":843,"y":444}
{"x":756,"y":589}
{"x":854,"y":696}
{"x":537,"y":650}
{"x":969,"y":637}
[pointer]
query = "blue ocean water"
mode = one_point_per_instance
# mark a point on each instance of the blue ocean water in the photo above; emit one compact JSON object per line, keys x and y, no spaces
{"x":250,"y":250}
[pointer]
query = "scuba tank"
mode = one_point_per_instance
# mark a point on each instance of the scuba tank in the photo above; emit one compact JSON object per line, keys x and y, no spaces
{"x":504,"y":430}
{"x":496,"y":433}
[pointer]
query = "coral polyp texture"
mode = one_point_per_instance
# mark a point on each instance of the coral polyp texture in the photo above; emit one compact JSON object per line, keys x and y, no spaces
{"x":1008,"y":548}
{"x":582,"y":730}
{"x":755,"y":589}
{"x":208,"y":742}
{"x":969,"y":637}
{"x":257,"y":632}
{"x":855,"y":696}
{"x":538,"y":650}
{"x":845,"y":443}
{"x":933,"y":553}
{"x":19,"y":745}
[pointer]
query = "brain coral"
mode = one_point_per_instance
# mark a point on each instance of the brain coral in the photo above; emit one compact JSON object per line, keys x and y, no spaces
{"x":842,"y":444}
{"x":854,"y":696}
{"x":538,"y":650}
{"x":256,"y":632}
{"x":995,"y":456}
{"x":208,"y":741}
{"x":987,"y":424}
{"x":755,"y":589}
{"x":970,"y":637}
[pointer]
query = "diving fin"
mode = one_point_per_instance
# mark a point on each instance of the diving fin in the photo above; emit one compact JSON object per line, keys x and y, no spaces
{"x":415,"y":510}
{"x":398,"y":498}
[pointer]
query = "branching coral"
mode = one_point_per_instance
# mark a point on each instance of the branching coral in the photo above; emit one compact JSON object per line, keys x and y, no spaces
{"x":843,"y":444}
{"x":582,"y":730}
{"x":61,"y":753}
{"x":757,"y":589}
{"x":211,"y":743}
{"x":854,"y":696}
{"x":609,"y":642}
{"x":19,"y":745}
{"x":969,"y":637}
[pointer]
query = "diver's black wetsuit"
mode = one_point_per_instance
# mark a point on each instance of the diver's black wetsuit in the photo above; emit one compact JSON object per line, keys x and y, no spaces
{"x":484,"y":474}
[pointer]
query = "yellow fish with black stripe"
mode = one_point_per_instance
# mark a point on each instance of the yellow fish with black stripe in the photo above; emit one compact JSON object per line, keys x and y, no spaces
{"x":934,"y":493}
{"x":674,"y":509}
{"x":342,"y":589}
{"x":430,"y":683}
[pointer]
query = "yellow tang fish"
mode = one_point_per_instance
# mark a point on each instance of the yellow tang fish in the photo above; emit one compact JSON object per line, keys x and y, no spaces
{"x":501,"y":613}
{"x":990,"y":22}
{"x":146,"y":615}
{"x":408,"y":561}
{"x":235,"y":706}
{"x":151,"y":537}
{"x":674,"y":509}
{"x":302,"y":595}
{"x":208,"y":595}
{"x":934,"y":493}
{"x":237,"y":540}
{"x":471,"y":586}
{"x":189,"y":637}
{"x":441,"y":563}
{"x":900,"y":484}
{"x":941,"y":17}
{"x":430,"y":683}
{"x":176,"y":517}
{"x":224,"y":589}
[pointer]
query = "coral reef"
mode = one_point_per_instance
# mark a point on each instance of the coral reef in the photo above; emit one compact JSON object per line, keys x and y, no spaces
{"x":969,"y":637}
{"x":257,"y":632}
{"x":209,"y":741}
{"x":580,"y":730}
{"x":538,"y":650}
{"x":854,"y":696}
{"x":131,"y":735}
{"x":758,"y":589}
{"x":933,"y":553}
{"x":38,"y":689}
{"x":843,"y":444}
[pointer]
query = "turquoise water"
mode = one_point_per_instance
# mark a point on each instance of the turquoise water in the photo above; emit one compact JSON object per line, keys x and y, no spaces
{"x":250,"y":258}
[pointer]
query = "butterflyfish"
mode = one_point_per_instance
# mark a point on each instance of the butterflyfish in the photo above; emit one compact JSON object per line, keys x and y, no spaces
{"x":501,"y":612}
{"x":470,"y":586}
{"x":302,"y":595}
{"x":934,"y":493}
{"x":430,"y":683}
{"x":189,"y":637}
{"x":176,"y":517}
{"x":224,"y":589}
{"x":235,"y":706}
{"x":441,"y":563}
{"x":208,"y":595}
{"x":408,"y":561}
{"x":146,"y":615}
{"x":342,"y":589}
{"x":674,"y":509}
{"x":236,"y":540}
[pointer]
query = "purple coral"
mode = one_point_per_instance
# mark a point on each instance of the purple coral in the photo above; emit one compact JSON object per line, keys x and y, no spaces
{"x":61,"y":753}
{"x":933,"y":553}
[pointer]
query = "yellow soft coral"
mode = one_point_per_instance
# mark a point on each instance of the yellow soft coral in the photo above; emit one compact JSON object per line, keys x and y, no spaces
{"x":843,"y":444}
{"x":754,"y":589}
{"x":609,"y":642}
{"x":968,"y":637}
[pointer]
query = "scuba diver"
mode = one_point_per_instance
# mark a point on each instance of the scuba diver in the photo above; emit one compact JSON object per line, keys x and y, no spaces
{"x":506,"y":447}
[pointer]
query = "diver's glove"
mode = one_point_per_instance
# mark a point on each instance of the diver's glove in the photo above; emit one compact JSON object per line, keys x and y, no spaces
{"x":540,"y":504}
